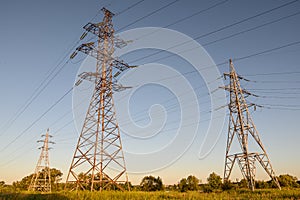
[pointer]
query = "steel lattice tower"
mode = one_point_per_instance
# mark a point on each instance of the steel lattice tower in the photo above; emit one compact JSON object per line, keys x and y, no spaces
{"x":242,"y":126}
{"x":98,"y":162}
{"x":41,"y":179}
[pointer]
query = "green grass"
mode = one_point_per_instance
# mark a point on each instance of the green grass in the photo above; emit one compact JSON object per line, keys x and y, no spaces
{"x":112,"y":195}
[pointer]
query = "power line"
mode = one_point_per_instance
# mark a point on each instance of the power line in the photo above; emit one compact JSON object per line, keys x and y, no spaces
{"x":284,"y":93}
{"x":54,"y":133}
{"x":218,"y":30}
{"x":148,"y":15}
{"x":279,"y":81}
{"x":187,"y":17}
{"x":281,"y":108}
{"x":251,"y":29}
{"x":274,"y":73}
{"x":129,"y":7}
{"x":259,"y":89}
{"x":236,"y":60}
{"x":35,"y":121}
{"x":169,"y":108}
{"x":34,"y":96}
{"x":283,"y":105}
{"x":267,"y":51}
{"x":232,"y":35}
{"x":197,"y":13}
{"x":42,"y":86}
{"x":187,"y":125}
{"x":279,"y":97}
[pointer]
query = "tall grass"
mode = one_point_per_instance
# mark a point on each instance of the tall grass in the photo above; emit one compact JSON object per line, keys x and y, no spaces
{"x":115,"y":195}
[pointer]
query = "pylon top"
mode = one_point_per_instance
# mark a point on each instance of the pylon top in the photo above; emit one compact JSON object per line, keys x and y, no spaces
{"x":106,"y":11}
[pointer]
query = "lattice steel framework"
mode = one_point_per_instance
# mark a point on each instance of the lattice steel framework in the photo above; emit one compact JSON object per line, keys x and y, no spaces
{"x":242,"y":126}
{"x":41,"y":179}
{"x":98,"y":162}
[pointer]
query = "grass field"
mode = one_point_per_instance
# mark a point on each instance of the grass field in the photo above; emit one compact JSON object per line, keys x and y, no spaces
{"x":111,"y":195}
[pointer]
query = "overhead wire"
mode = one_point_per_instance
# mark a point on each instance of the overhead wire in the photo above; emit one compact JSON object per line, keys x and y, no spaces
{"x":36,"y":120}
{"x":129,"y":7}
{"x":186,"y":18}
{"x":274,"y":73}
{"x":52,"y":71}
{"x":34,"y":96}
{"x":281,"y":108}
{"x":259,"y":53}
{"x":54,"y":134}
{"x":256,"y":54}
{"x":148,"y":15}
{"x":43,"y":85}
{"x":218,"y":30}
{"x":267,"y":51}
{"x":234,"y":35}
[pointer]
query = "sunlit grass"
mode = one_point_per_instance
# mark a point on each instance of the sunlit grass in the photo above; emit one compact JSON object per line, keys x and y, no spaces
{"x":137,"y":195}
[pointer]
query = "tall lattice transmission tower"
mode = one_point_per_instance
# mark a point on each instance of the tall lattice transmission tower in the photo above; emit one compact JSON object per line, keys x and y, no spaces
{"x":242,"y":126}
{"x":98,"y":162}
{"x":41,"y":179}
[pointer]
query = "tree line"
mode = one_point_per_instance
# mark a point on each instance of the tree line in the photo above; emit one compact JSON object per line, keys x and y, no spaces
{"x":151,"y":183}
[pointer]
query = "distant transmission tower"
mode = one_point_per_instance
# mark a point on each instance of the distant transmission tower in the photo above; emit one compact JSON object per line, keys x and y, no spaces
{"x":41,"y":179}
{"x":98,"y":162}
{"x":242,"y":126}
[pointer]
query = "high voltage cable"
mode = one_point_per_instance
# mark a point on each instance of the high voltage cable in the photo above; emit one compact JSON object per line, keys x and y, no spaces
{"x":236,"y":59}
{"x":234,"y":35}
{"x":253,"y":55}
{"x":248,"y":57}
{"x":282,"y":105}
{"x":218,"y":30}
{"x":273,"y":73}
{"x":181,"y":94}
{"x":278,"y":108}
{"x":148,"y":15}
{"x":208,"y":8}
{"x":276,"y":92}
{"x":35,"y":121}
{"x":252,"y":29}
{"x":168,"y":123}
{"x":279,"y":97}
{"x":135,"y":121}
{"x":63,"y":116}
{"x":257,"y":89}
{"x":169,"y":108}
{"x":34,"y":95}
{"x":168,"y":100}
{"x":267,"y":51}
{"x":285,"y":17}
{"x":187,"y":125}
{"x":129,"y":7}
{"x":187,"y":17}
{"x":197,"y":13}
{"x":279,"y":81}
{"x":242,"y":58}
{"x":44,"y":83}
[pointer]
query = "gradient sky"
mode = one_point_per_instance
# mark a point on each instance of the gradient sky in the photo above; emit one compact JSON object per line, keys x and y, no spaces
{"x":36,"y":35}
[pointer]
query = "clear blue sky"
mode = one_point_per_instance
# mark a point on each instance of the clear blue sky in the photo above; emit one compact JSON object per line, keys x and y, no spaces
{"x":36,"y":35}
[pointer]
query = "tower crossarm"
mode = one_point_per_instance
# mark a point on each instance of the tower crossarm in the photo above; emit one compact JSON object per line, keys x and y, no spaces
{"x":91,"y":50}
{"x":245,"y":92}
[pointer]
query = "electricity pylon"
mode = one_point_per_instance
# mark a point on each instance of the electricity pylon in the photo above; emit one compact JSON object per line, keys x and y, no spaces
{"x":98,"y":162}
{"x":242,"y":126}
{"x":41,"y":179}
